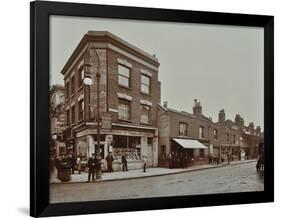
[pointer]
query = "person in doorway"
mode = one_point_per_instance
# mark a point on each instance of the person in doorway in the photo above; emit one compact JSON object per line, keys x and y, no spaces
{"x":124,"y":163}
{"x":185,"y":160}
{"x":170,"y":160}
{"x":109,"y":160}
{"x":92,"y":167}
{"x":181,"y":157}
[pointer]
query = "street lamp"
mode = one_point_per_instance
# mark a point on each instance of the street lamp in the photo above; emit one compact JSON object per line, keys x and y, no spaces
{"x":94,"y":61}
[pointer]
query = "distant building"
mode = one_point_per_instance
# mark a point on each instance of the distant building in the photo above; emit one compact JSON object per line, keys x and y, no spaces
{"x":57,"y":119}
{"x":129,"y":97}
{"x":199,"y":136}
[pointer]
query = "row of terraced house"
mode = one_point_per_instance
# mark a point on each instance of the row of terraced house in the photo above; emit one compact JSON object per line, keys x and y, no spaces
{"x":133,"y":121}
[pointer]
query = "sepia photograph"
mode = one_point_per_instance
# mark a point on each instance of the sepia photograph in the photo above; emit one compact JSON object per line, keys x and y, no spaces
{"x":144,"y":109}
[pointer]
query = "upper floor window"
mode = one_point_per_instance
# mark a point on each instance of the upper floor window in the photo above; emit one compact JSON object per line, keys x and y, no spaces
{"x":145,"y":84}
{"x":201,"y":132}
{"x":81,"y":109}
{"x":67,"y":117}
{"x":183,"y":129}
{"x":215,"y":134}
{"x":81,"y":75}
{"x":124,"y":109}
{"x":234,"y":139}
{"x":124,"y":76}
{"x":72,"y":84}
{"x":145,"y":114}
{"x":227,"y":137}
{"x":66,"y":89}
{"x":73,"y":114}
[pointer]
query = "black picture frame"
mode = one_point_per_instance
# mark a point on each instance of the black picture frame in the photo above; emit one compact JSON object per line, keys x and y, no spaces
{"x":39,"y":119}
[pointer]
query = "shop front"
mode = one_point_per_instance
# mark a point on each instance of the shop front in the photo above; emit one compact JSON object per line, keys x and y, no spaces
{"x":136,"y":146}
{"x":196,"y":151}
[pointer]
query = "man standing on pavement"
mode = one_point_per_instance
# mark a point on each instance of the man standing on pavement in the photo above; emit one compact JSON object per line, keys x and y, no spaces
{"x":144,"y":163}
{"x":92,"y":167}
{"x":228,"y":157}
{"x":109,"y":160}
{"x":124,"y":163}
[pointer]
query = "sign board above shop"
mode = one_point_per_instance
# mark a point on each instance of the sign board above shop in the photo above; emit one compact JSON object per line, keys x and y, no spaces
{"x":106,"y":121}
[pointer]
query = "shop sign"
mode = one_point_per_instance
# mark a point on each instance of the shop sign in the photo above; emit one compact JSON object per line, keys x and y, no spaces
{"x":106,"y":121}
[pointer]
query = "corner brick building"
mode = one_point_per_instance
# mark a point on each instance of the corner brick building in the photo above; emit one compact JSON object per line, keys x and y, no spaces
{"x":129,"y":98}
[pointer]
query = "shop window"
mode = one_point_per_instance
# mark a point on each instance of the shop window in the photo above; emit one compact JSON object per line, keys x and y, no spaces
{"x":145,"y":114}
{"x":124,"y":110}
{"x":183,"y":129}
{"x":145,"y":84}
{"x":124,"y":76}
{"x":128,"y":145}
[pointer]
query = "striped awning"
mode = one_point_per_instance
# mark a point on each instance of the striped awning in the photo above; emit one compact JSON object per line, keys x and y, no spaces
{"x":189,"y":143}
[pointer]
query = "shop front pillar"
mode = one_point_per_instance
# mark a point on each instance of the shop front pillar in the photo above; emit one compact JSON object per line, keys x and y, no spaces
{"x":91,"y":145}
{"x":143,"y":146}
{"x":107,"y":145}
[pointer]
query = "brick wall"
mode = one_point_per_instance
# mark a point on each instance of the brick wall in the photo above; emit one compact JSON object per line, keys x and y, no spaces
{"x":133,"y":91}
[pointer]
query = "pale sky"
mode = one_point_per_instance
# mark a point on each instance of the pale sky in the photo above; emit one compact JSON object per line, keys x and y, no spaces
{"x":221,"y":66}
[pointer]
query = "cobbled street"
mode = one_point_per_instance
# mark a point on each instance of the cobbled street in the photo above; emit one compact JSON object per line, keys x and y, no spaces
{"x":235,"y":178}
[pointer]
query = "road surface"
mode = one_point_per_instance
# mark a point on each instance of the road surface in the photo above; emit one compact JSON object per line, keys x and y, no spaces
{"x":235,"y":178}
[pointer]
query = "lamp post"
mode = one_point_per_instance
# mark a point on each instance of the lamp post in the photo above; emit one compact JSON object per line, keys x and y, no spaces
{"x":94,"y":61}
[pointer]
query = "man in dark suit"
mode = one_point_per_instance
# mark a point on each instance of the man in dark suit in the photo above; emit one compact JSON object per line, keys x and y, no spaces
{"x":109,"y":160}
{"x":124,"y":163}
{"x":92,"y":162}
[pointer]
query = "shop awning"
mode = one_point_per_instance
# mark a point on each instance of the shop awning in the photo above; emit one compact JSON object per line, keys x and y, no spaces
{"x":189,"y":143}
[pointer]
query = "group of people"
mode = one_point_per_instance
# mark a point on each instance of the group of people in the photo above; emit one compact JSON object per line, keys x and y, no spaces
{"x":179,"y":160}
{"x":69,"y":161}
{"x":215,"y":159}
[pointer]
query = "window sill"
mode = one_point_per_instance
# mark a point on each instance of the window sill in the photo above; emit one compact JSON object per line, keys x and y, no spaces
{"x":147,"y":94}
{"x":127,"y":121}
{"x":147,"y":124}
{"x":125,"y":87}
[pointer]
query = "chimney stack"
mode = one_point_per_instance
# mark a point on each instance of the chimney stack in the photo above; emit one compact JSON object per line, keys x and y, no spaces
{"x":221,"y":116}
{"x":197,"y":109}
{"x":239,"y":121}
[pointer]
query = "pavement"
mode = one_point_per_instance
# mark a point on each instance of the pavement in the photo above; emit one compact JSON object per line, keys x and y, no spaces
{"x":133,"y":174}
